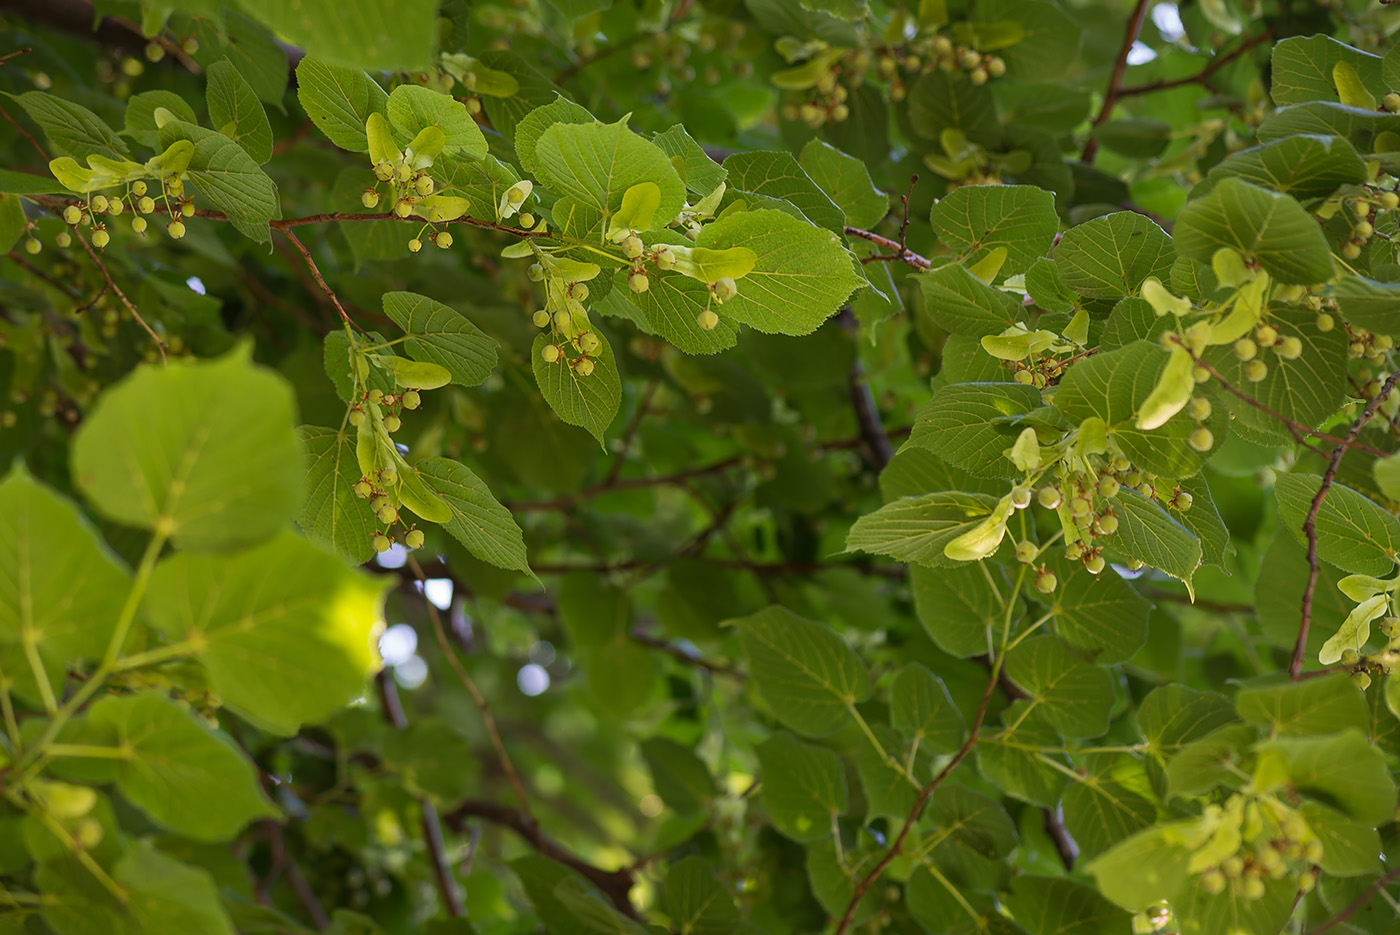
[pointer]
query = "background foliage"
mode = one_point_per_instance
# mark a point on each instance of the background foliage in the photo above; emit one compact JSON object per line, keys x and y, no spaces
{"x":785,"y":466}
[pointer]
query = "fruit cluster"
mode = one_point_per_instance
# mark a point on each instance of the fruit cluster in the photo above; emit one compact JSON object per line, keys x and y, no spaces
{"x":378,"y":487}
{"x":137,"y":200}
{"x":1251,"y":839}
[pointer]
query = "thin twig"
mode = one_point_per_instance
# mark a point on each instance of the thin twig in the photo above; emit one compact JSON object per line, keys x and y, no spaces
{"x":477,"y":697}
{"x":725,"y":669}
{"x":111,"y":284}
{"x":316,"y":274}
{"x":1295,"y":665}
{"x":1357,"y":904}
{"x":26,"y":134}
{"x":867,"y":413}
{"x":1217,"y":63}
{"x":901,"y":253}
{"x":922,"y":799}
{"x":431,"y":825}
{"x":1115,"y":78}
{"x":643,"y":405}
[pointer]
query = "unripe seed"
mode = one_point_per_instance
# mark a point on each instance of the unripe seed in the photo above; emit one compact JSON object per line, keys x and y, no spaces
{"x":1026,"y":551}
{"x":402,"y":208}
{"x":1094,"y":564}
{"x":187,"y":209}
{"x":369,"y":198}
{"x":154,"y":51}
{"x":1325,"y":322}
{"x":1108,"y":523}
{"x":665,"y":258}
{"x":1048,"y":497}
{"x":588,"y":342}
{"x":146,"y":204}
{"x":116,"y":207}
{"x":541,"y":318}
{"x":389,"y":477}
{"x":388,"y":515}
{"x":383,"y":171}
{"x":1213,"y":882}
{"x":978,"y":76}
{"x":379,"y":503}
{"x":1182,"y":501}
{"x":1199,"y":408}
{"x":415,"y":245}
{"x":138,"y":224}
{"x":1246,"y":349}
{"x":527,"y":221}
{"x":1290,"y":348}
{"x":364,"y":489}
{"x":72,"y":214}
{"x":996,"y":67}
{"x":376,"y":396}
{"x":1363,"y":229}
{"x":725,"y":289}
{"x":1350,"y":657}
{"x":413,"y":539}
{"x":632,"y":247}
{"x":392,"y":423}
{"x":1351,"y":250}
{"x":1390,"y":200}
{"x":1020,"y":497}
{"x":32,"y":246}
{"x":579,"y":290}
{"x":562,"y":320}
{"x":535,"y":272}
{"x":1361,"y":680}
{"x":707,"y":320}
{"x":64,"y":239}
{"x":1201,"y":439}
{"x":584,"y":367}
{"x":176,"y":229}
{"x":443,"y":240}
{"x":549,"y":353}
{"x":1045,"y":582}
{"x":1024,"y":376}
{"x":1079,"y":506}
{"x":1266,"y":335}
{"x":380,"y":543}
{"x":402,"y":172}
{"x":1200,"y":374}
{"x":1108,"y":487}
{"x":99,"y":204}
{"x":424,"y":185}
{"x":637,"y":281}
{"x":1256,"y":370}
{"x":100,"y":238}
{"x":411,"y":399}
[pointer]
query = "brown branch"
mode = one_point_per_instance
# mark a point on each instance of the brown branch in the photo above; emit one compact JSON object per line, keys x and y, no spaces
{"x":867,"y":413}
{"x":625,"y":483}
{"x":284,"y":865}
{"x":725,"y":669}
{"x":919,"y":802}
{"x":316,"y":274}
{"x":477,"y":697}
{"x":1357,"y":904}
{"x":615,"y":884}
{"x":431,"y":825}
{"x":26,"y":134}
{"x":1217,"y":63}
{"x":1064,"y":844}
{"x":901,"y":253}
{"x":111,"y":284}
{"x":1295,"y":665}
{"x":39,"y":274}
{"x":643,"y":405}
{"x":1297,"y":429}
{"x":1115,"y":78}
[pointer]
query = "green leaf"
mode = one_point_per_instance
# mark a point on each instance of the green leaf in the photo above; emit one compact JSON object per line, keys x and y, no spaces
{"x":960,"y":607}
{"x":441,"y":335}
{"x":356,"y":33}
{"x":1100,"y":810}
{"x":205,"y":451}
{"x":527,"y":133}
{"x":621,"y":676}
{"x":163,"y":895}
{"x":591,"y":166}
{"x":940,"y":101}
{"x":1306,"y":390}
{"x":1213,"y":760}
{"x":697,"y":903}
{"x":62,"y":591}
{"x":333,"y":513}
{"x":1369,"y":304}
{"x":281,"y":650}
{"x":915,"y":529}
{"x":1344,"y":770}
{"x":778,"y":175}
{"x":478,"y":521}
{"x":71,"y":129}
{"x":1101,"y":615}
{"x":701,"y":174}
{"x":226,"y":175}
{"x":889,"y":791}
{"x":1303,"y":68}
{"x":1113,"y":386}
{"x":1278,"y":595}
{"x":1147,"y":533}
{"x":23,"y":183}
{"x":1022,"y":773}
{"x":801,"y":275}
{"x":970,"y":425}
{"x":177,"y":771}
{"x":1302,"y":166}
{"x":806,"y":673}
{"x":1135,"y":137}
{"x":140,"y":122}
{"x":413,"y":109}
{"x":961,"y":303}
{"x":976,"y":219}
{"x":1349,"y":848}
{"x":1173,"y":715}
{"x":1266,"y":226}
{"x":671,"y":307}
{"x":679,"y":777}
{"x":1056,"y":906}
{"x":922,"y":710}
{"x":1073,"y":696}
{"x":1314,"y":706}
{"x":1110,"y":256}
{"x":1145,"y":869}
{"x":339,"y":100}
{"x":236,"y":112}
{"x":594,"y":611}
{"x":846,"y":181}
{"x":804,"y":787}
{"x":590,"y":402}
{"x":1353,"y":532}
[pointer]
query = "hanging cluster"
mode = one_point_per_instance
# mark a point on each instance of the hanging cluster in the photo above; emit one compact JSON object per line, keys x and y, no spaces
{"x":1251,"y":839}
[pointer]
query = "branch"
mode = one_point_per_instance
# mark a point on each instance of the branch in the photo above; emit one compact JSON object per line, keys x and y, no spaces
{"x":316,"y":274}
{"x":680,"y":653}
{"x":901,"y":253}
{"x":615,"y":884}
{"x":432,"y":827}
{"x":1064,"y":844}
{"x":863,"y":400}
{"x":1217,"y":63}
{"x":111,"y":284}
{"x":477,"y":697}
{"x":869,"y":880}
{"x":1115,"y":79}
{"x":1295,"y":665}
{"x":1358,"y":903}
{"x":643,"y":405}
